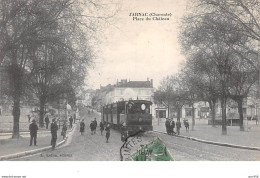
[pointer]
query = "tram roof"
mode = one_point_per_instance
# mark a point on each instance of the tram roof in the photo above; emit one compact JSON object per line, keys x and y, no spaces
{"x":134,"y":101}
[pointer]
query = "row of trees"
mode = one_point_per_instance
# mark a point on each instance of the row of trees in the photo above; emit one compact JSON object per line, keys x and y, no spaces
{"x":220,"y":40}
{"x":46,"y":48}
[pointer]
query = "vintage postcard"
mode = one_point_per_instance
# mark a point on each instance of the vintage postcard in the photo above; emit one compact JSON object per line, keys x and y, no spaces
{"x":150,"y":80}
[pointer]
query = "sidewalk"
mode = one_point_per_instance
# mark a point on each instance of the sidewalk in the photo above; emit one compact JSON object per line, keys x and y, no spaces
{"x":249,"y":138}
{"x":13,"y":146}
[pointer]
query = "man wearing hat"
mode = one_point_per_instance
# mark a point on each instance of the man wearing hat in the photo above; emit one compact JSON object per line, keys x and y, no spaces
{"x":54,"y":129}
{"x":33,"y":132}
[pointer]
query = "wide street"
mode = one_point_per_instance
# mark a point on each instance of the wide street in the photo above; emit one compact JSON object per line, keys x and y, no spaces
{"x":89,"y":147}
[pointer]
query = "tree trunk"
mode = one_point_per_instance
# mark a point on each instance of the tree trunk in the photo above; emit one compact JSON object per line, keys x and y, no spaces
{"x":240,"y":111}
{"x":224,"y":116}
{"x":178,"y":114}
{"x":213,"y":112}
{"x":15,"y":74}
{"x":41,"y":114}
{"x":16,"y":117}
{"x":168,"y":109}
{"x":193,"y":117}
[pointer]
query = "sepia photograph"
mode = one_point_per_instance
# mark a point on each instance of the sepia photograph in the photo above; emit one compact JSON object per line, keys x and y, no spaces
{"x":129,"y":80}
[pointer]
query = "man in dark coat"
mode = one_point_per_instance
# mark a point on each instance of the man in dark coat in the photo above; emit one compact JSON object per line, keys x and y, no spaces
{"x":54,"y":129}
{"x":71,"y":120}
{"x":33,"y":132}
{"x":47,"y":121}
{"x":178,"y":126}
{"x":82,"y":127}
{"x":172,"y":126}
{"x":167,"y":125}
{"x":29,"y":118}
{"x":64,"y":130}
{"x":107,"y":129}
{"x":101,"y":125}
{"x":95,"y":125}
{"x":186,"y":124}
{"x":123,"y":132}
{"x":92,"y":127}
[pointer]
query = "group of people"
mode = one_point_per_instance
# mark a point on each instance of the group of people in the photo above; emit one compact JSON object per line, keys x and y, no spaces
{"x":93,"y":128}
{"x":47,"y":120}
{"x":54,"y":129}
{"x":170,"y":126}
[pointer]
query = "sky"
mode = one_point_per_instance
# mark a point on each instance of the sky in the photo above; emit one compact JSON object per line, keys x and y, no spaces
{"x":137,"y":50}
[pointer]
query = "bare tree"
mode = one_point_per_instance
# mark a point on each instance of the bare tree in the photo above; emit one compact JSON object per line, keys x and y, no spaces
{"x":165,"y":93}
{"x":29,"y":28}
{"x":216,"y":36}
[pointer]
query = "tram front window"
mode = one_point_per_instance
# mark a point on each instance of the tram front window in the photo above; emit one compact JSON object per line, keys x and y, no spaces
{"x":138,"y":108}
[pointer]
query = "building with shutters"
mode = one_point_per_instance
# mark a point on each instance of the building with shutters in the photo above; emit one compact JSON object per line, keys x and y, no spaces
{"x":130,"y":90}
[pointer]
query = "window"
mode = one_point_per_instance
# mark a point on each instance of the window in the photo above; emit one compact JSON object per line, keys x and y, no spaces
{"x":138,"y":108}
{"x":160,"y":113}
{"x":188,"y":112}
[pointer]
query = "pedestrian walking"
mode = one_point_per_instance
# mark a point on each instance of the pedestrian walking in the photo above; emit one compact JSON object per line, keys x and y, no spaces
{"x":123,"y":132}
{"x":186,"y":124}
{"x":33,"y":132}
{"x":172,"y":126}
{"x":107,"y":129}
{"x":71,"y":120}
{"x":101,"y":125}
{"x":178,"y":127}
{"x":82,"y":127}
{"x":95,"y":125}
{"x":64,"y":130}
{"x":54,"y":129}
{"x":29,"y":118}
{"x":167,"y":125}
{"x":92,"y":127}
{"x":47,"y":121}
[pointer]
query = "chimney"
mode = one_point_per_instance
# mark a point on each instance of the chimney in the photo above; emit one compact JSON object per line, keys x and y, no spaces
{"x":151,"y":82}
{"x":123,"y":81}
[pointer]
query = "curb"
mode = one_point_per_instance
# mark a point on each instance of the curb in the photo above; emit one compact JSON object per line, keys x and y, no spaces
{"x":212,"y":143}
{"x":31,"y":152}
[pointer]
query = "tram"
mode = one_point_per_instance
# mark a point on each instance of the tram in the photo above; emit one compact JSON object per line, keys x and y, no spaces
{"x":130,"y":116}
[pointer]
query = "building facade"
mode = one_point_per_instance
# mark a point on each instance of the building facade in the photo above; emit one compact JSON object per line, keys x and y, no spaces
{"x":130,"y":90}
